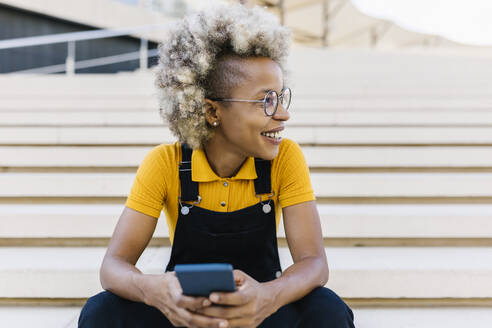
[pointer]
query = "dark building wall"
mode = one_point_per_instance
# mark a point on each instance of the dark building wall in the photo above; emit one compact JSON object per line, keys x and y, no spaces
{"x":16,"y":23}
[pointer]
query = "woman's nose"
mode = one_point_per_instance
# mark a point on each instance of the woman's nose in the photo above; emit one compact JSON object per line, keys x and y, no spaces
{"x":281,"y":114}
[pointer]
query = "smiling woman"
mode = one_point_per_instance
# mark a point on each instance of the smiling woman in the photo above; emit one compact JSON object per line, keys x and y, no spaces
{"x":223,"y":187}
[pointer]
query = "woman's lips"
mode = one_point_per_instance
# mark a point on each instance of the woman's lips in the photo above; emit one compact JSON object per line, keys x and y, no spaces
{"x":275,"y":141}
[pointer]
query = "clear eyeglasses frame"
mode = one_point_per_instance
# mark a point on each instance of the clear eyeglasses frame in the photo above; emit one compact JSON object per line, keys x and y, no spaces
{"x":270,"y":101}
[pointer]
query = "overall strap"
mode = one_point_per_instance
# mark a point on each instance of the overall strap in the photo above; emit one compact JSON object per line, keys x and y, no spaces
{"x":263,"y":183}
{"x":189,"y":188}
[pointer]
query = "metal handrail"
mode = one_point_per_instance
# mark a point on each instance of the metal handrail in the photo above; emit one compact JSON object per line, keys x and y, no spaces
{"x":76,"y":36}
{"x":72,"y":37}
{"x":89,"y":63}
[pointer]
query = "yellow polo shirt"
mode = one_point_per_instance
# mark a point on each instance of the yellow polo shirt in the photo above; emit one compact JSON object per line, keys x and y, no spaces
{"x":156,"y":186}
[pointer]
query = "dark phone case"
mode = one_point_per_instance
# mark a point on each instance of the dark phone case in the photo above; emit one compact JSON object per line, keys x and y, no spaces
{"x":202,"y":279}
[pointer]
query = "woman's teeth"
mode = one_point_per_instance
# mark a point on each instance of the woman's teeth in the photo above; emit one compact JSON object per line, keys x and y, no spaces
{"x":274,"y":135}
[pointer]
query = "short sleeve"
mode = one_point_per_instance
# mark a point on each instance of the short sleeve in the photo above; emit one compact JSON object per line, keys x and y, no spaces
{"x":293,"y":174}
{"x":148,"y":191}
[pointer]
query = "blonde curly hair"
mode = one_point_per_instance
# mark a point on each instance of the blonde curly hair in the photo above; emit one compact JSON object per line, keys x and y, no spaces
{"x":188,"y":62}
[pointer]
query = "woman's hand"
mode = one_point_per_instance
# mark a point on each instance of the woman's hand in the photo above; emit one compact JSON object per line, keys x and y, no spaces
{"x":164,"y":292}
{"x":246,"y":307}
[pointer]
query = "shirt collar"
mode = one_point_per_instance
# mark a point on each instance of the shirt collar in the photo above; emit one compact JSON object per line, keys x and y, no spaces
{"x":202,"y":172}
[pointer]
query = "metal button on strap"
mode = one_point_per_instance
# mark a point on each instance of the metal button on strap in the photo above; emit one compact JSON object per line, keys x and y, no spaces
{"x":185,"y":210}
{"x":225,"y":184}
{"x":222,"y":204}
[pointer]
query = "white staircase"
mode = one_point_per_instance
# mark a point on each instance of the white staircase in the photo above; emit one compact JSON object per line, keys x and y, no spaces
{"x":400,"y":151}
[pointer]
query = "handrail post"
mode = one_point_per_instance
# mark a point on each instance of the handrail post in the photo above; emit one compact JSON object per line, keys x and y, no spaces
{"x":143,"y":54}
{"x":281,"y":7}
{"x":325,"y":39}
{"x":70,"y":61}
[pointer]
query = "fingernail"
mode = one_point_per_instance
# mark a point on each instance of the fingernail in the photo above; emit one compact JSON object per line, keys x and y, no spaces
{"x":223,"y":324}
{"x":214,"y":297}
{"x":206,"y":303}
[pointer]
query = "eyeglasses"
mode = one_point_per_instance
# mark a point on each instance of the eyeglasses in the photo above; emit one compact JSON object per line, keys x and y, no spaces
{"x":270,"y":102}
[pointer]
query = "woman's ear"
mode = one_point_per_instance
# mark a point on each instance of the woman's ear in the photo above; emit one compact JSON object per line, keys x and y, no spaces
{"x":212,"y":112}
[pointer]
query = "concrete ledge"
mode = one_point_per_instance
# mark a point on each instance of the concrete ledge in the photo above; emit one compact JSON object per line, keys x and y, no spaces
{"x":423,"y":317}
{"x":40,"y":316}
{"x":358,"y":78}
{"x":67,"y":317}
{"x":298,"y":118}
{"x":337,"y":221}
{"x":324,"y":184}
{"x":88,"y":104}
{"x":354,"y":272}
{"x":305,"y":104}
{"x":63,"y":157}
{"x":302,"y":135}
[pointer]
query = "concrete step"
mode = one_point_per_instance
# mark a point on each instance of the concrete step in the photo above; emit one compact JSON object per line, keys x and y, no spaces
{"x":372,"y":272}
{"x":363,"y":62}
{"x":333,"y":85}
{"x":419,"y":317}
{"x":303,"y":135}
{"x":298,"y":104}
{"x":337,"y":221}
{"x":62,"y":157}
{"x":40,"y":316}
{"x":427,"y":184}
{"x":325,"y":85}
{"x":394,"y":104}
{"x":404,"y":65}
{"x":325,"y":118}
{"x":320,"y":85}
{"x":383,"y":60}
{"x":84,"y":103}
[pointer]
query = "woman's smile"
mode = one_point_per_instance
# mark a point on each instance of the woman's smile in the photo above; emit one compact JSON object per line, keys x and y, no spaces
{"x":273,"y":136}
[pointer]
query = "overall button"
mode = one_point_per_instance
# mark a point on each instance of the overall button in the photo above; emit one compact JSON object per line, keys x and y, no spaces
{"x":225,"y":184}
{"x":222,"y":204}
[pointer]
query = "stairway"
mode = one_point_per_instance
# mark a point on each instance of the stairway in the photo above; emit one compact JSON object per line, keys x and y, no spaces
{"x":400,"y":151}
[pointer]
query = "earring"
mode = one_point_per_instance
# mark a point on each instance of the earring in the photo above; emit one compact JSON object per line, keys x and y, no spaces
{"x":215,"y":124}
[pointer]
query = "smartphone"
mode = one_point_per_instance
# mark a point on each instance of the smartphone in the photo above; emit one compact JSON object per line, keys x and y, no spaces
{"x":205,"y":278}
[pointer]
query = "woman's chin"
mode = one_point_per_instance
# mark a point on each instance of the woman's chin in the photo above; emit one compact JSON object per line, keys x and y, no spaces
{"x":270,"y":154}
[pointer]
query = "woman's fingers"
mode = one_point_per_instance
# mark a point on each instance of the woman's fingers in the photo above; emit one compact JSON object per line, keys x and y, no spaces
{"x":226,"y":312}
{"x":236,"y":298}
{"x":192,"y":303}
{"x":243,"y":322}
{"x":197,"y":320}
{"x":244,"y":294}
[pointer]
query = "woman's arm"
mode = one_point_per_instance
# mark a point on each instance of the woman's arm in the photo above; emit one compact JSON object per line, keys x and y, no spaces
{"x":305,"y":240}
{"x":118,"y":273}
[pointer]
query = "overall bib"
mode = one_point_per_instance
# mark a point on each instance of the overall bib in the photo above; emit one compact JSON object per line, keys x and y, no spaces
{"x":245,"y":238}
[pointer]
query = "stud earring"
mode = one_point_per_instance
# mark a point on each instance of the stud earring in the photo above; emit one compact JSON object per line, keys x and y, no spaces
{"x":215,"y":124}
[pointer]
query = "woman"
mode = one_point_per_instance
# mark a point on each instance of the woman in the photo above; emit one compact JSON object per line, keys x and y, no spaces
{"x":223,"y":187}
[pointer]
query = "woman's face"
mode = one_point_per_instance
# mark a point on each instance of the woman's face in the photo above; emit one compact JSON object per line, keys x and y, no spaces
{"x":243,"y":125}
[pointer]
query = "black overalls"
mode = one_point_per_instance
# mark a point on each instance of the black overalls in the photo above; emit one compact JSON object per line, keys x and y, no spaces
{"x":246,"y":238}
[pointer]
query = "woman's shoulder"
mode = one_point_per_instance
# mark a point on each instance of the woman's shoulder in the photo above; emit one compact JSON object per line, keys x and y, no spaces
{"x":164,"y":155}
{"x":287,"y":145}
{"x":287,"y":149}
{"x":289,"y":152}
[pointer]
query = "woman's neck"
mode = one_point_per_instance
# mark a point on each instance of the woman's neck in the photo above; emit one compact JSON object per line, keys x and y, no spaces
{"x":224,"y":163}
